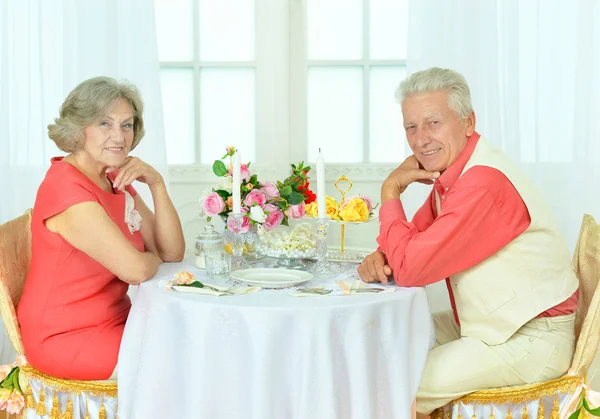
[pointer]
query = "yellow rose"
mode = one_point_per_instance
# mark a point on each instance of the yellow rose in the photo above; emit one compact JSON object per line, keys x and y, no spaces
{"x":331,"y":208}
{"x":354,"y":210}
{"x":5,"y":394}
{"x":311,"y":209}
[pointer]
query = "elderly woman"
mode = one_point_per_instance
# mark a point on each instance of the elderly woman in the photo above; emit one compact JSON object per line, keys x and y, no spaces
{"x":92,"y":234}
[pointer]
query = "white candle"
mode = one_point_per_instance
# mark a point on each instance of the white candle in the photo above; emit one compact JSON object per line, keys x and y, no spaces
{"x":321,"y":185}
{"x":236,"y":184}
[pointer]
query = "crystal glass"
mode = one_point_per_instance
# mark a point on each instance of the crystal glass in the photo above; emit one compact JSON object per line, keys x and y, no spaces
{"x":218,"y":264}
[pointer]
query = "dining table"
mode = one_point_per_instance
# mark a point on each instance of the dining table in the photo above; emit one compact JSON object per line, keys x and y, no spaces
{"x":272,"y":354}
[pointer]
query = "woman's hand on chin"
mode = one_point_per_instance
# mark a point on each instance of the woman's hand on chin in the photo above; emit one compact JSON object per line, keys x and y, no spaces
{"x":136,"y":169}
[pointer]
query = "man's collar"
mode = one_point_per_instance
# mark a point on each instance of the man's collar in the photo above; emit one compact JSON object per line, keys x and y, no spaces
{"x":452,"y":173}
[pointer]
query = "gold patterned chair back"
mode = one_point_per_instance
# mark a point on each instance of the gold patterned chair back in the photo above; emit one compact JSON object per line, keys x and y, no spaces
{"x":586,"y":262}
{"x":15,"y":255}
{"x":552,"y":398}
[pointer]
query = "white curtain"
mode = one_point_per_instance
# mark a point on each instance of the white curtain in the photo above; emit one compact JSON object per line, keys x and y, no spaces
{"x":46,"y":49}
{"x":534,"y":72}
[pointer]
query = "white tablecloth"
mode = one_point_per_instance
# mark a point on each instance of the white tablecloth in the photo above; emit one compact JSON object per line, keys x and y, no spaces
{"x":269,"y":355}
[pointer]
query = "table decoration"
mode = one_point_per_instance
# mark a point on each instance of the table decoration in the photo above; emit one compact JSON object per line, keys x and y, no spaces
{"x":244,"y":202}
{"x":289,"y":245}
{"x":357,"y":209}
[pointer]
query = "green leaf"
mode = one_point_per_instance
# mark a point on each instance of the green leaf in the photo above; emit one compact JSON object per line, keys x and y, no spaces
{"x":286,"y":191}
{"x":285,"y":222}
{"x":208,"y":219}
{"x":575,"y":414}
{"x":16,"y":380}
{"x":8,"y":380}
{"x":195,"y":284}
{"x":587,"y":407}
{"x":296,"y":198}
{"x":253,"y":180}
{"x":223,"y":194}
{"x":219,"y":168}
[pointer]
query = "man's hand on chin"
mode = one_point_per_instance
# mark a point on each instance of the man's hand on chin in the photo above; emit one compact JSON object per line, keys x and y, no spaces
{"x":374,"y":268}
{"x":405,"y":174}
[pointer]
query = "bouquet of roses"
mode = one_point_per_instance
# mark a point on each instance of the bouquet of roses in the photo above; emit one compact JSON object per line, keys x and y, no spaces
{"x":263,"y":203}
{"x":357,"y":208}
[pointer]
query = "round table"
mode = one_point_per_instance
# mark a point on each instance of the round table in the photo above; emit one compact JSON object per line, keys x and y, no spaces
{"x":269,"y":355}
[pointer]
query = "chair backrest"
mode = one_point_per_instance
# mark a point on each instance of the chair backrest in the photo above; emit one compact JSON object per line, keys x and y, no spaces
{"x":15,"y":256}
{"x":586,"y":262}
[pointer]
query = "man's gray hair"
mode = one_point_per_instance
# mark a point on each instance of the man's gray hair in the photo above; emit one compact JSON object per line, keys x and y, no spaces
{"x":89,"y":102}
{"x":439,"y":79}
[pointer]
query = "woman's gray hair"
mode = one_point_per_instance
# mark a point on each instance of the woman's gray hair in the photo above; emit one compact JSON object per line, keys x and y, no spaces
{"x":435,"y":79}
{"x":89,"y":102}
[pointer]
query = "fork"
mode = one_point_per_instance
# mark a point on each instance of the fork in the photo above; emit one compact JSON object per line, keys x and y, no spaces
{"x":317,"y":291}
{"x":210,"y":287}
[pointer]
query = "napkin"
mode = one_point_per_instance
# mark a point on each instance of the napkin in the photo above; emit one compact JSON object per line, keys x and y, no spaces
{"x":216,"y":290}
{"x":319,"y":291}
{"x":358,"y":287}
{"x":185,"y":281}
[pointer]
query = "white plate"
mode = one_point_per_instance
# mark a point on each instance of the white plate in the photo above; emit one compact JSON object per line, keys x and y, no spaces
{"x":271,"y":277}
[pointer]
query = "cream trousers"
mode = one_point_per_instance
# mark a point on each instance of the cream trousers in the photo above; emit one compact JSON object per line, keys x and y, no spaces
{"x":541,"y":350}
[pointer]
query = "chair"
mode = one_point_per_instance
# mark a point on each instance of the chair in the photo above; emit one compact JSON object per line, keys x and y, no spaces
{"x":45,"y":396}
{"x":556,"y":399}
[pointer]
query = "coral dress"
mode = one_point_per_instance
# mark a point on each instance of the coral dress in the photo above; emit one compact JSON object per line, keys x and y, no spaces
{"x":73,"y":310}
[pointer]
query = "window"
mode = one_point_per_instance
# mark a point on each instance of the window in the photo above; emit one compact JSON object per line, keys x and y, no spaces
{"x":208,"y":77}
{"x":355,"y":61}
{"x":288,"y":76}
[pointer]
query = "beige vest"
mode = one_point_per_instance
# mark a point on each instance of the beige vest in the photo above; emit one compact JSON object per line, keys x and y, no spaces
{"x":528,"y":276}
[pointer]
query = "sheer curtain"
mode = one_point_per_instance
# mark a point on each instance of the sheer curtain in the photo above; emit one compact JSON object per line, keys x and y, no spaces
{"x":534,"y":72}
{"x":46,"y":49}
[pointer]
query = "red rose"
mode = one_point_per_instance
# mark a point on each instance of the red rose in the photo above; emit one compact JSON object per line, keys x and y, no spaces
{"x":309,"y":196}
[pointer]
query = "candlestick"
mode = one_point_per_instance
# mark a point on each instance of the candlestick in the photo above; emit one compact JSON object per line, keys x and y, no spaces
{"x":237,"y":243}
{"x":237,"y":183}
{"x":322,"y":267}
{"x":321,"y":186}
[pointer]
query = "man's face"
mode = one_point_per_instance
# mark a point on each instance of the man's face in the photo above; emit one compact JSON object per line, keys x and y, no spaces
{"x":435,"y":133}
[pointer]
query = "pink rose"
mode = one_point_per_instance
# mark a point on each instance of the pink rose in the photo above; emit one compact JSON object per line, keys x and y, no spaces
{"x":273,"y":220}
{"x":213,"y":204}
{"x":295,"y":211}
{"x":244,"y":172}
{"x":270,"y":190}
{"x":367,"y":200}
{"x":271,"y":208}
{"x":255,"y":197}
{"x":15,"y":403}
{"x":185,"y":278}
{"x":245,"y":224}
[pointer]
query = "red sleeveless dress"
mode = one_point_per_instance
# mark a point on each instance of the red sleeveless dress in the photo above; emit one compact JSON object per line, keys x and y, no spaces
{"x":73,"y":310}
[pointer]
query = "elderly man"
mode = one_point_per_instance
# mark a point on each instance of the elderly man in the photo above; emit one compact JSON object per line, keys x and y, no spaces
{"x":487,"y":231}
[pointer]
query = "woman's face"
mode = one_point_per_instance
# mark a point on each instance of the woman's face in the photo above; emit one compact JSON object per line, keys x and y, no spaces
{"x":108,"y":140}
